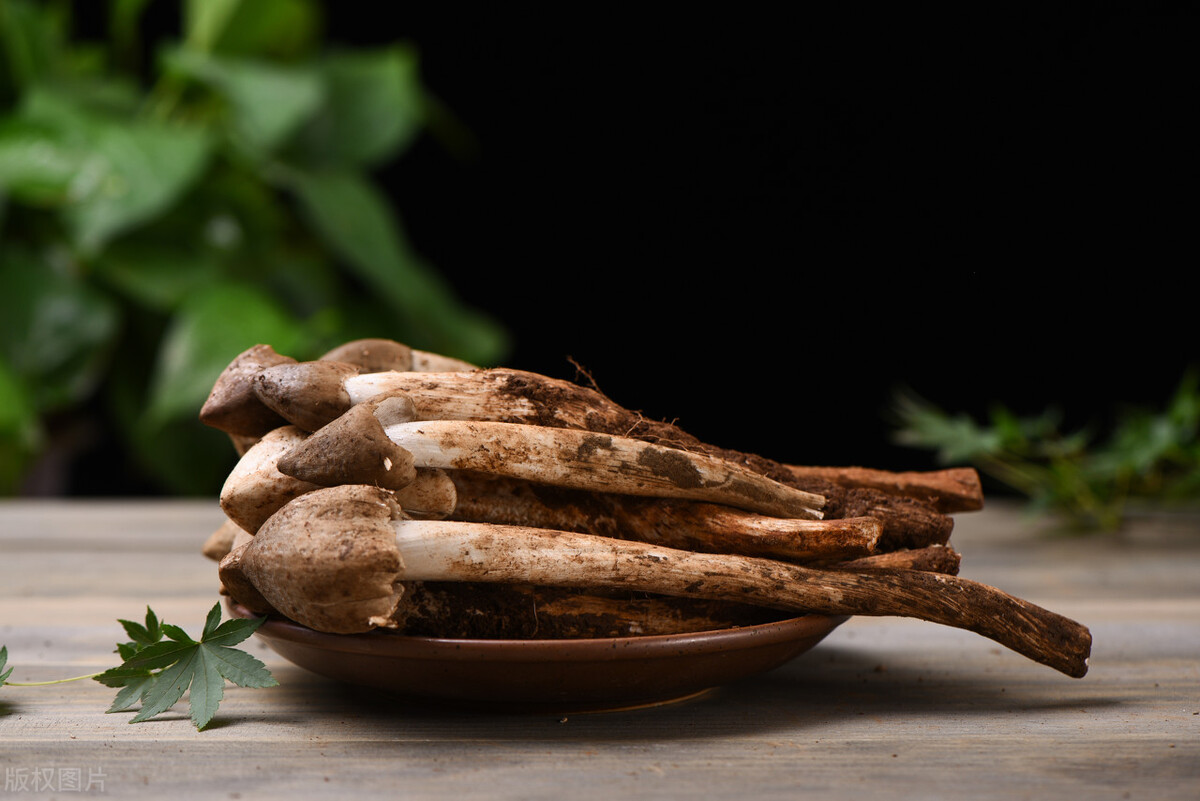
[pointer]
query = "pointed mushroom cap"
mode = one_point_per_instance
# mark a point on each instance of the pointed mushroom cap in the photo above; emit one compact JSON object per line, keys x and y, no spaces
{"x":255,"y":488}
{"x":238,"y":586}
{"x":233,"y":406}
{"x":426,"y":362}
{"x":328,"y":560}
{"x":306,"y":394}
{"x":373,"y":355}
{"x":354,"y":449}
{"x":432,"y":495}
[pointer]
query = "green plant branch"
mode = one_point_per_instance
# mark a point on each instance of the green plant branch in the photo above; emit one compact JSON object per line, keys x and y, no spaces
{"x":1147,"y":456}
{"x":178,"y":660}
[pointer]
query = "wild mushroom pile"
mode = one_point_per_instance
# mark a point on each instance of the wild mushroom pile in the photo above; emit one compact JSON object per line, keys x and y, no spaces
{"x":382,"y":487}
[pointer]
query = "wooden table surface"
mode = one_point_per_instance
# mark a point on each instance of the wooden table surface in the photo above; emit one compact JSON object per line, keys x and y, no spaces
{"x":882,"y":708}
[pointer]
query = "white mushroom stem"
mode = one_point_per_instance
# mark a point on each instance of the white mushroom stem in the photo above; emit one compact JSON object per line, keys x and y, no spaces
{"x":589,"y":461}
{"x":337,"y":559}
{"x":448,"y":551}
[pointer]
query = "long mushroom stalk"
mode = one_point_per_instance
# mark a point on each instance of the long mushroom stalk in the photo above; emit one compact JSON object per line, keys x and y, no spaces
{"x":953,"y":490}
{"x":690,"y":525}
{"x":314,"y":393}
{"x":567,"y":458}
{"x":311,"y":394}
{"x":377,"y":551}
{"x":517,"y":611}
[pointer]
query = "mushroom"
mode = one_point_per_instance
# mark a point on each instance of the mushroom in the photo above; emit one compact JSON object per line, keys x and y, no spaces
{"x":691,"y":525}
{"x":561,"y":457}
{"x":232,"y":405}
{"x":336,"y":560}
{"x":255,"y":488}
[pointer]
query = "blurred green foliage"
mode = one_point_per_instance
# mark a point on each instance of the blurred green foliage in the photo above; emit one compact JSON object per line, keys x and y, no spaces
{"x":1145,"y":457}
{"x":157,"y":219}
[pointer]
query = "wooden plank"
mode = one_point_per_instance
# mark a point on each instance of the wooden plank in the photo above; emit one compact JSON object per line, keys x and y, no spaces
{"x":882,"y":708}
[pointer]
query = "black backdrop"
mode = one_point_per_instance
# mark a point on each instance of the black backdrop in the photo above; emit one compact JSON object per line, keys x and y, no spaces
{"x":762,"y":223}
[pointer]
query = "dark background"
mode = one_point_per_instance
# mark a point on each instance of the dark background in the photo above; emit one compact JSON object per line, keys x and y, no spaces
{"x":763,"y":223}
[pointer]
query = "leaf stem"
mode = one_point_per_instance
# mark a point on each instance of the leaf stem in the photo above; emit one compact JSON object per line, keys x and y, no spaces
{"x":45,"y":683}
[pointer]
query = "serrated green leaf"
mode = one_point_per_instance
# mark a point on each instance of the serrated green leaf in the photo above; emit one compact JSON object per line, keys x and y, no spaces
{"x":232,"y":632}
{"x":133,"y":692}
{"x":4,"y":674}
{"x":211,"y":622}
{"x":177,"y":634}
{"x":159,"y":655}
{"x":153,"y":627}
{"x":206,"y":690}
{"x":125,"y":650}
{"x":136,"y":631}
{"x":121,"y":676}
{"x":198,"y":668}
{"x":169,"y":685}
{"x":242,"y":668}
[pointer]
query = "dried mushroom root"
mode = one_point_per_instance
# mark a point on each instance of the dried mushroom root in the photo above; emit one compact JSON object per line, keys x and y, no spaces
{"x":337,"y":560}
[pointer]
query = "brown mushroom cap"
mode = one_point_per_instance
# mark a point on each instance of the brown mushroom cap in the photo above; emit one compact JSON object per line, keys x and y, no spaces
{"x":233,"y":406}
{"x":354,"y":449}
{"x":373,"y":355}
{"x":308,"y":395}
{"x":255,"y":488}
{"x":328,"y":560}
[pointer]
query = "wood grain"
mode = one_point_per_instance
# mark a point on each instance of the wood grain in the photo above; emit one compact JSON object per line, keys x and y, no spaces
{"x":883,"y":708}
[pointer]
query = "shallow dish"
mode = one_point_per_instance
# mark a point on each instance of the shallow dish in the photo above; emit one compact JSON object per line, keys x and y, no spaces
{"x":546,"y":675}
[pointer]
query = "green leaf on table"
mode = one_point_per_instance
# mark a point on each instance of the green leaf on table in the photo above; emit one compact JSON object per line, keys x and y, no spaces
{"x":159,"y":674}
{"x":4,"y":674}
{"x":210,"y":328}
{"x":267,"y":102}
{"x":356,"y":222}
{"x":144,"y":634}
{"x":374,"y":107}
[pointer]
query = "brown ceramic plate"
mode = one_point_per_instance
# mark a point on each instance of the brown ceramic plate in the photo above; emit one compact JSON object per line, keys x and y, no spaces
{"x":546,"y":675}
